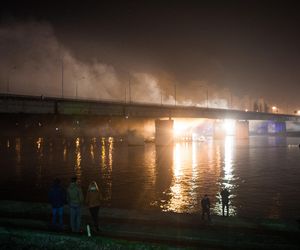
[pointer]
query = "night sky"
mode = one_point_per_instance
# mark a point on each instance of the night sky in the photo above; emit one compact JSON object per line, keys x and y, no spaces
{"x":247,"y":48}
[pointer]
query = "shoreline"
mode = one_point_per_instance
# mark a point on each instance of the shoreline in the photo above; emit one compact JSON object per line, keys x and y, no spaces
{"x":169,"y":229}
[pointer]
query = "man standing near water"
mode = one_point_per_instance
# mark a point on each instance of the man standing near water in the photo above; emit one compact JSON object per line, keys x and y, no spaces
{"x":57,"y":198}
{"x":225,"y":201}
{"x":205,"y":204}
{"x":75,"y":199}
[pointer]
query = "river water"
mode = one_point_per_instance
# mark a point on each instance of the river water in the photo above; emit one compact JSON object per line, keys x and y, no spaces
{"x":261,"y":173}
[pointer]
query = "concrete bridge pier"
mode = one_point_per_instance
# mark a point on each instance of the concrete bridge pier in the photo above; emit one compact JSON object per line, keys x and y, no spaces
{"x":164,"y":132}
{"x":242,"y":129}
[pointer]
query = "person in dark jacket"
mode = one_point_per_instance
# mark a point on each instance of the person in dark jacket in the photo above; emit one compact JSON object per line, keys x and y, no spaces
{"x":205,"y":204}
{"x":75,"y":200}
{"x":225,"y":201}
{"x":57,"y":198}
{"x":93,"y":201}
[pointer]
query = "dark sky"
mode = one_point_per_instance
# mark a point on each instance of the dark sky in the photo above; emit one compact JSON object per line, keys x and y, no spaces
{"x":249,"y":47}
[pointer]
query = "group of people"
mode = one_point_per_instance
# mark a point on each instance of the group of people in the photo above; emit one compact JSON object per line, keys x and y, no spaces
{"x":58,"y":197}
{"x":205,"y":204}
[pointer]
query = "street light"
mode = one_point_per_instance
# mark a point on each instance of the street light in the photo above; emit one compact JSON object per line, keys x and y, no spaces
{"x":202,"y":86}
{"x":175,"y":93}
{"x":161,"y":97}
{"x":230,"y":99}
{"x":125,"y":97}
{"x":8,"y":78}
{"x":76,"y":89}
{"x":62,"y":77}
{"x":129,"y":87}
{"x":274,"y":109}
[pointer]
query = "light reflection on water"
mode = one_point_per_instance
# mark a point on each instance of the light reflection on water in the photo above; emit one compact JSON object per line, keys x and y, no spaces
{"x":260,"y":173}
{"x":228,"y":179}
{"x":39,"y":151}
{"x":77,"y":167}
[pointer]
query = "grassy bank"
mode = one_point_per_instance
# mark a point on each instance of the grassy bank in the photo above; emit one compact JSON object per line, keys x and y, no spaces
{"x":12,"y":239}
{"x":26,"y":225}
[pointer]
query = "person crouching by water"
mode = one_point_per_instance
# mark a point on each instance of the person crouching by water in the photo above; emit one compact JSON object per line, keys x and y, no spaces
{"x":75,"y":199}
{"x":57,"y":198}
{"x":205,"y":204}
{"x":225,"y":201}
{"x":93,"y":200}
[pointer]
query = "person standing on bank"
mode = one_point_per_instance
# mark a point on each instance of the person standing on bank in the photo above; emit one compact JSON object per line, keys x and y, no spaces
{"x":57,"y":198}
{"x":75,"y":199}
{"x":205,"y":204}
{"x":225,"y":201}
{"x":93,"y":200}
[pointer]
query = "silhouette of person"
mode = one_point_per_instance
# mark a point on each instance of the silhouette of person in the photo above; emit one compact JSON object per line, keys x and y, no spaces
{"x":93,"y":200}
{"x":205,"y":204}
{"x":57,"y":198}
{"x":225,"y":201}
{"x":75,"y":199}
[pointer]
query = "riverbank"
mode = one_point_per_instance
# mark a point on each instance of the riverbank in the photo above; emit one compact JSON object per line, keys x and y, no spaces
{"x":123,"y":229}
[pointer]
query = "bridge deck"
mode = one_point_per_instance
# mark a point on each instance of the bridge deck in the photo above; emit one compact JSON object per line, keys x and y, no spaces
{"x":16,"y":104}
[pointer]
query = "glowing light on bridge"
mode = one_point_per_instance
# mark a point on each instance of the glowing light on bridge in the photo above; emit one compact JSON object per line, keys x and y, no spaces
{"x":229,"y":126}
{"x":180,"y":128}
{"x":184,"y":129}
{"x":274,"y":109}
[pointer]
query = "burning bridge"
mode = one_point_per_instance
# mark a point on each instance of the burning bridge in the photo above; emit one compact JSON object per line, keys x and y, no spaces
{"x":35,"y":111}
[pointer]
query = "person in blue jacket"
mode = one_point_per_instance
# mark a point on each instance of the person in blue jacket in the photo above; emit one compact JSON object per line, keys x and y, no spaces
{"x":57,"y":199}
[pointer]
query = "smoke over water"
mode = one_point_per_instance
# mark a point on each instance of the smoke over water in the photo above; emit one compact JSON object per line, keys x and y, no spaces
{"x":33,"y":62}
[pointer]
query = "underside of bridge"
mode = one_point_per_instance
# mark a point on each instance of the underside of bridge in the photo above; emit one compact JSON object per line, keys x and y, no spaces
{"x":137,"y":131}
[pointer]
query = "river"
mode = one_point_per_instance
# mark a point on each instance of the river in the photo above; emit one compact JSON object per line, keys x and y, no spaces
{"x":261,"y":173}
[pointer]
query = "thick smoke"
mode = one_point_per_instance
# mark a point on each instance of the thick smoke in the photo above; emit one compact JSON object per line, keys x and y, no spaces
{"x":34,"y":62}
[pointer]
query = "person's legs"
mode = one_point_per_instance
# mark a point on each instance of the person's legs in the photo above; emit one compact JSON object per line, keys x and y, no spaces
{"x":60,"y":216}
{"x":54,"y":212}
{"x":223,"y":208}
{"x":94,"y":213}
{"x":96,"y":218}
{"x":203,"y":213}
{"x":227,"y":209}
{"x":72,"y":218}
{"x":78,"y":219}
{"x":208,"y":214}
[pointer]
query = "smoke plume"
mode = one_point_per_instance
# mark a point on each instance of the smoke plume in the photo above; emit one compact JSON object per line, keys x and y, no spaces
{"x":34,"y":62}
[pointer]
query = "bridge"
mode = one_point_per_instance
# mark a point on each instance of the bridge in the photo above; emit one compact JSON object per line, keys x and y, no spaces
{"x":42,"y":106}
{"x":21,"y":104}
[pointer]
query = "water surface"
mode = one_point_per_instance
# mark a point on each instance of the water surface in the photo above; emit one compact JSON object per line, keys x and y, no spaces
{"x":262,"y":173}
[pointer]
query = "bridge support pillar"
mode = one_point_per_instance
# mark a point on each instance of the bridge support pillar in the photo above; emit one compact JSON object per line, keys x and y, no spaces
{"x":163,"y":132}
{"x":276,"y":127}
{"x":242,"y":129}
{"x":219,"y":131}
